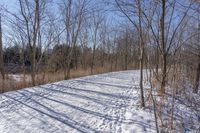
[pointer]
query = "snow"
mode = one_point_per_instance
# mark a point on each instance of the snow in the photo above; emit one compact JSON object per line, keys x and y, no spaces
{"x":19,"y":77}
{"x":106,"y":103}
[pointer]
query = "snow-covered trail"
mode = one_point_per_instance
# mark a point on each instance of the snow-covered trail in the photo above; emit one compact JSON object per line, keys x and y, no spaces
{"x":99,"y":103}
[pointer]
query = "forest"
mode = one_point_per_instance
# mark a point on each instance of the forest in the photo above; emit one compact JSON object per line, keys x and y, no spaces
{"x":44,"y":41}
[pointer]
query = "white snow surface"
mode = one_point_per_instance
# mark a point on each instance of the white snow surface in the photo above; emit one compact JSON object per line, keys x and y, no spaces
{"x":99,"y":103}
{"x":107,"y":103}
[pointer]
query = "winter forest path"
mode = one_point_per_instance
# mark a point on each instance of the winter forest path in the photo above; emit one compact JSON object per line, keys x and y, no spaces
{"x":98,"y":103}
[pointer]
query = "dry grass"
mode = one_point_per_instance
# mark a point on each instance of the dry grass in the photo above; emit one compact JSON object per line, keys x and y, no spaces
{"x":43,"y":78}
{"x":10,"y":84}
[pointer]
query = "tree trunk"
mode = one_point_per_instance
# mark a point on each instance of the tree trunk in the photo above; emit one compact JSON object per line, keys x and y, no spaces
{"x":76,"y":57}
{"x":196,"y":83}
{"x":35,"y":32}
{"x":116,"y":61}
{"x":1,"y":57}
{"x":163,"y":49}
{"x":141,"y":77}
{"x":153,"y":99}
{"x":23,"y":61}
{"x":102,"y":61}
{"x":33,"y":67}
{"x":126,"y":52}
{"x":93,"y":56}
{"x":65,"y":70}
{"x":157,"y":60}
{"x":141,"y":56}
{"x":164,"y":74}
{"x":68,"y":69}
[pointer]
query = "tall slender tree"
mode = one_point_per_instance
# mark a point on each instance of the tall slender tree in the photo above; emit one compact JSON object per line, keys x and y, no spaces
{"x":73,"y":15}
{"x":1,"y":56}
{"x":196,"y":83}
{"x":137,"y":23}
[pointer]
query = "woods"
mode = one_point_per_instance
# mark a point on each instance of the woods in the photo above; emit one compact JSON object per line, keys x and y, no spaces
{"x":50,"y":40}
{"x":86,"y":32}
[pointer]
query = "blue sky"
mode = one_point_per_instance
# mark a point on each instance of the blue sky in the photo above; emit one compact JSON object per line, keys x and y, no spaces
{"x":13,"y":6}
{"x":10,"y":4}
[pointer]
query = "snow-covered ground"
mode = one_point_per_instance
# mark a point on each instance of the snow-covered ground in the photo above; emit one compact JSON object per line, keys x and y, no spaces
{"x":19,"y":77}
{"x":107,"y":103}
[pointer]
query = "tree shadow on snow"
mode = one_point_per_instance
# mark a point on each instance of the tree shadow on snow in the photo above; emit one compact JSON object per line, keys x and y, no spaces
{"x":44,"y":110}
{"x":44,"y":99}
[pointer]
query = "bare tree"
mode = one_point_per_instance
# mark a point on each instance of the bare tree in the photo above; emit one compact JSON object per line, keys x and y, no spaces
{"x":1,"y":55}
{"x":163,"y":47}
{"x":32,"y":25}
{"x":196,"y":83}
{"x":138,"y":25}
{"x":165,"y":33}
{"x":95,"y":25}
{"x":36,"y":26}
{"x":141,"y":41}
{"x":73,"y":14}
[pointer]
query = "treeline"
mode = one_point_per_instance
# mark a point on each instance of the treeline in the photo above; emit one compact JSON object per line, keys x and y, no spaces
{"x":162,"y":36}
{"x":75,"y":34}
{"x":122,"y":55}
